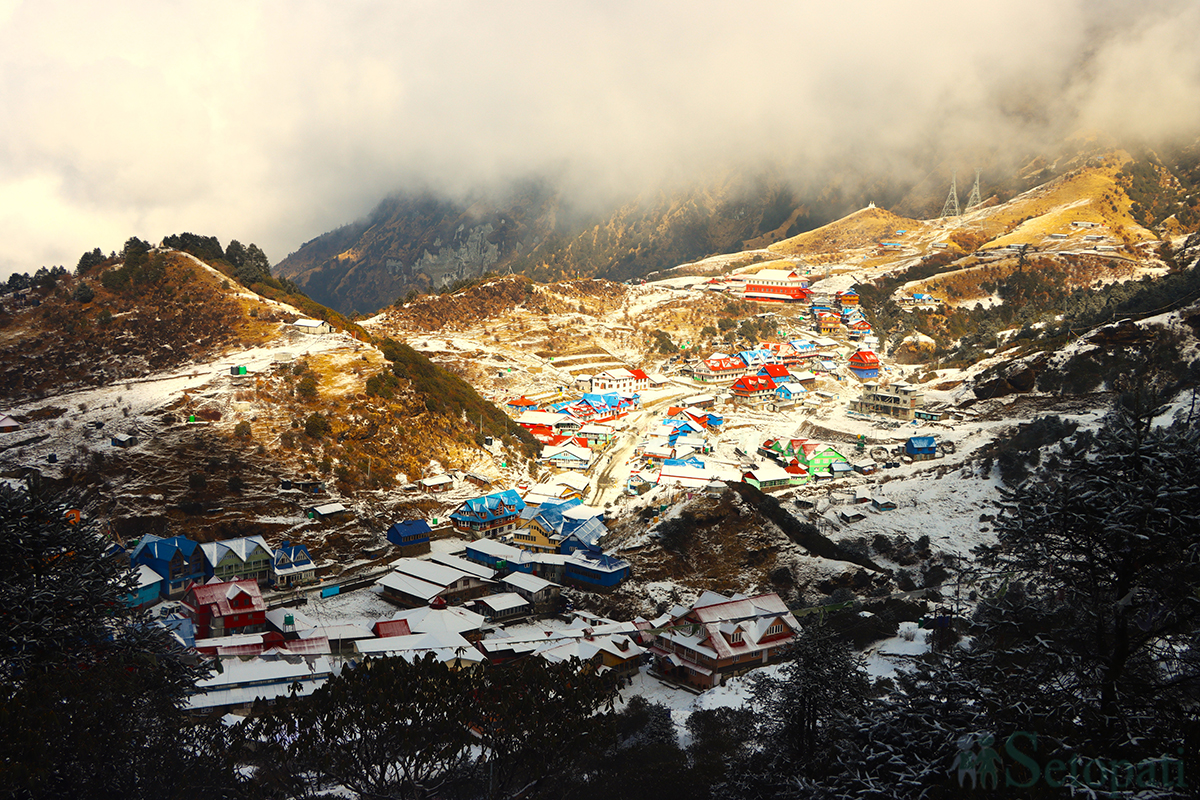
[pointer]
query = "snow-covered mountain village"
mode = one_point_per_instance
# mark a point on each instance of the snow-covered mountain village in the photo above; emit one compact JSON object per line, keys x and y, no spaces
{"x":753,"y":403}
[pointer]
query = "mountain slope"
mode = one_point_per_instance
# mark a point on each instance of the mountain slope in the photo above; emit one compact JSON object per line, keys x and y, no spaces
{"x":422,"y":242}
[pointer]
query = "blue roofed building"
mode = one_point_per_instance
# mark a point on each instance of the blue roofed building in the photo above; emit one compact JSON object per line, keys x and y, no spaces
{"x":411,"y":536}
{"x":588,"y":535}
{"x":292,"y":565}
{"x":489,"y":516}
{"x":585,"y":569}
{"x":921,"y":448}
{"x":591,"y":570}
{"x":757,"y":357}
{"x":564,"y":527}
{"x":177,"y":559}
{"x":789,"y":392}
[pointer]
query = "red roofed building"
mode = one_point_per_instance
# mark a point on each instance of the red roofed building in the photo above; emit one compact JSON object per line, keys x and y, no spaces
{"x":522,"y":403}
{"x":391,"y":627}
{"x":777,"y":285}
{"x":865,"y":364}
{"x":722,"y":636}
{"x":719,"y":369}
{"x":225,"y":609}
{"x":752,"y":390}
{"x":775,"y":372}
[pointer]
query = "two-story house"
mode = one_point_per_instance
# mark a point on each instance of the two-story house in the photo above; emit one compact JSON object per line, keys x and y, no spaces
{"x":225,"y":608}
{"x":178,"y":560}
{"x":721,"y":636}
{"x":489,"y":516}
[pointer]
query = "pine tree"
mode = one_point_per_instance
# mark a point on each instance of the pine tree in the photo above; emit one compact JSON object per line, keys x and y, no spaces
{"x":91,"y":692}
{"x":1092,"y":636}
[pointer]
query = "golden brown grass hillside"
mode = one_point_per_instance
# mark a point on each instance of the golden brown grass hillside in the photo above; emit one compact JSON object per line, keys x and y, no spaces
{"x":863,"y":228}
{"x":1090,"y":194}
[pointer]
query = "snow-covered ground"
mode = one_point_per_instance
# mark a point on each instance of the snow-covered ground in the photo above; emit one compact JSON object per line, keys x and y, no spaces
{"x":94,"y":415}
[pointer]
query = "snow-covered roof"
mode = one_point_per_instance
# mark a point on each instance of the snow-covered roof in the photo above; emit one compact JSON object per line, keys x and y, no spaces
{"x":572,"y":480}
{"x":244,"y":549}
{"x":530,"y":583}
{"x":461,"y":564}
{"x":407,"y":584}
{"x":432,"y":620}
{"x":241,"y":682}
{"x":147,"y":577}
{"x":429,"y":571}
{"x":437,"y":480}
{"x":503,"y":602}
{"x":542,"y":418}
{"x":448,"y":646}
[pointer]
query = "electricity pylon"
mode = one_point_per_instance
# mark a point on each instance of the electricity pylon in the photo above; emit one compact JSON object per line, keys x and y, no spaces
{"x":950,"y":209}
{"x":974,"y":199}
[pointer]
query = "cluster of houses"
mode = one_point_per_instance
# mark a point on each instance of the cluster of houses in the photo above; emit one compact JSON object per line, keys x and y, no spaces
{"x":701,"y":645}
{"x":167,"y":567}
{"x":574,"y":432}
{"x":676,"y":453}
{"x":799,"y":355}
{"x":840,"y":314}
{"x":549,"y":533}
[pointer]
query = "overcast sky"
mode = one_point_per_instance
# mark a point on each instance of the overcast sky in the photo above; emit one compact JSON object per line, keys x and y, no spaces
{"x":275,"y":122}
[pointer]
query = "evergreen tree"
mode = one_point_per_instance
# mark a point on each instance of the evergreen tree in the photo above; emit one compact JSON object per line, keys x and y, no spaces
{"x":235,"y":254}
{"x":420,"y":729}
{"x":89,"y":261}
{"x":1100,"y":610}
{"x":801,"y":711}
{"x":91,"y":691}
{"x":254,"y":267}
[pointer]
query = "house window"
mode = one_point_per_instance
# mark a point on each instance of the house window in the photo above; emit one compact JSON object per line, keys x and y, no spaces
{"x":774,"y":629}
{"x":736,"y":637}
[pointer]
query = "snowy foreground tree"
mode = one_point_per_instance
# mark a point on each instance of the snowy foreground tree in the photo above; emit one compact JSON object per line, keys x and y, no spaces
{"x":1082,"y":674}
{"x":1092,"y":640}
{"x":90,"y":691}
{"x":399,"y":729}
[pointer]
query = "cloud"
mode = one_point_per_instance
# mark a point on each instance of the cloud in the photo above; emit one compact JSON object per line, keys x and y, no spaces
{"x":274,"y":122}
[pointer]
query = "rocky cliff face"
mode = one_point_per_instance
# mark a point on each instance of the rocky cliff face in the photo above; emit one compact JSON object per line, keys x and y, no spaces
{"x":421,"y":242}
